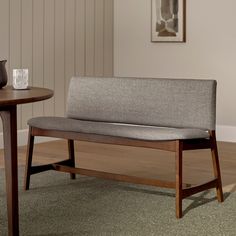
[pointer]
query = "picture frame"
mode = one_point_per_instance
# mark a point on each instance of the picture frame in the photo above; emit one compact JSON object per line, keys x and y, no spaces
{"x":168,"y":21}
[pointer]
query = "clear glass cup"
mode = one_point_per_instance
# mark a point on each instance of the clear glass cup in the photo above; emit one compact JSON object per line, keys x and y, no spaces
{"x":20,"y":78}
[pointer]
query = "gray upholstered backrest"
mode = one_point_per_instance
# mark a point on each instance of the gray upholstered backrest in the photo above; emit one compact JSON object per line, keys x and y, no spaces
{"x":158,"y":102}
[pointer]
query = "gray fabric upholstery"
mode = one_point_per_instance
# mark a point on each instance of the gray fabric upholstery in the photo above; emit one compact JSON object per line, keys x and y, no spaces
{"x":116,"y":129}
{"x":144,"y":101}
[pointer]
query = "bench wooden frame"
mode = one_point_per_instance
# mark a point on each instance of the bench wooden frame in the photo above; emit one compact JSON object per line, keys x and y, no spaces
{"x":177,"y":146}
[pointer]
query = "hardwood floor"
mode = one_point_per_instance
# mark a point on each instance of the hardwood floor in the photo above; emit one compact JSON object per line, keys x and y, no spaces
{"x":138,"y":161}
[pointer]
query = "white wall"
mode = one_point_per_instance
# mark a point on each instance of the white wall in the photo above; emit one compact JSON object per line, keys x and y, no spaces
{"x":209,"y":53}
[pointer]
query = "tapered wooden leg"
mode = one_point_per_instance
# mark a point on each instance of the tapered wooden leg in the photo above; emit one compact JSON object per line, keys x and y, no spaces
{"x":216,"y":166}
{"x":71,"y":150}
{"x":10,"y":155}
{"x":29,"y":156}
{"x":179,"y":177}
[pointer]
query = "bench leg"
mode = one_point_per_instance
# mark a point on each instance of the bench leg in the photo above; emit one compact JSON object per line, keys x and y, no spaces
{"x":29,"y":155}
{"x":71,"y":150}
{"x":179,"y":177}
{"x":216,"y":166}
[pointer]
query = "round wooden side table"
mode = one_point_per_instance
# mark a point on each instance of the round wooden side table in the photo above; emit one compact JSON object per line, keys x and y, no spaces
{"x":9,"y":99}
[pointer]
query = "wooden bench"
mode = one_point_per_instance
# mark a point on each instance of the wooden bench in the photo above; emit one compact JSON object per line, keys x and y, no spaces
{"x":167,"y":114}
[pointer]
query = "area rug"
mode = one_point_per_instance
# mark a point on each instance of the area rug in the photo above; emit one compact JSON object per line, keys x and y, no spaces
{"x":56,"y":205}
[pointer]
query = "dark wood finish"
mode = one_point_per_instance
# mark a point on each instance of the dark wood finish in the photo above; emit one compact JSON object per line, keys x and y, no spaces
{"x":9,"y":99}
{"x":162,"y":145}
{"x":71,"y":150}
{"x":117,"y":177}
{"x":216,"y":166}
{"x":195,"y":144}
{"x":10,"y":154}
{"x":38,"y":169}
{"x":10,"y":96}
{"x":29,"y":156}
{"x":177,"y":146}
{"x":179,"y":177}
{"x":196,"y":189}
{"x":65,"y":166}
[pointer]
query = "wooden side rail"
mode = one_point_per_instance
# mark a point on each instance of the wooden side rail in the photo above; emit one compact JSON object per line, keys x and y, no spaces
{"x":199,"y":188}
{"x":186,"y":192}
{"x":42,"y":168}
{"x":161,"y":145}
{"x":112,"y":176}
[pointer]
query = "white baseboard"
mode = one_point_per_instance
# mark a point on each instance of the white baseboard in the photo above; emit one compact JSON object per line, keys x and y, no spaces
{"x":226,"y":133}
{"x":22,"y":138}
{"x":223,"y":133}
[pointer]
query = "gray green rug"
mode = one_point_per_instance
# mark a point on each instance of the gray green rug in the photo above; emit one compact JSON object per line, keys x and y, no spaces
{"x":56,"y":205}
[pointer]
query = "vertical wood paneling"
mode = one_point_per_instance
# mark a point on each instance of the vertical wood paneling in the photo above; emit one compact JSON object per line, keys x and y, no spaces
{"x":4,"y":35}
{"x":4,"y":26}
{"x":15,"y":44}
{"x":38,"y":52}
{"x":59,"y":57}
{"x":49,"y":53}
{"x":99,"y":37}
{"x":89,"y":36}
{"x":55,"y":40}
{"x":108,"y":38}
{"x":27,"y":53}
{"x":80,"y":37}
{"x":69,"y":43}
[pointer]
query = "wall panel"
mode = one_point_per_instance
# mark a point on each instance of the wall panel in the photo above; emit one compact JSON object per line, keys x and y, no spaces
{"x":89,"y":36}
{"x":38,"y":52}
{"x":49,"y":53}
{"x":5,"y":34}
{"x":99,"y":37}
{"x":56,"y":39}
{"x":59,"y":88}
{"x":108,"y":37}
{"x":27,"y":53}
{"x":80,"y":41}
{"x":15,"y":44}
{"x":69,"y":43}
{"x":4,"y":26}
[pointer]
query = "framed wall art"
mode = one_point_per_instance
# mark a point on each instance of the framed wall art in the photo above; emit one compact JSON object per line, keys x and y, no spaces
{"x":168,"y":20}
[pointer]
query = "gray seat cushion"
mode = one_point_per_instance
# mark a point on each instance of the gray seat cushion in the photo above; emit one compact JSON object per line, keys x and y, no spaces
{"x":140,"y":132}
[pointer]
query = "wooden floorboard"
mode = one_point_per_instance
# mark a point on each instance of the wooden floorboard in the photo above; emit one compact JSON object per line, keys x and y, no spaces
{"x":141,"y":162}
